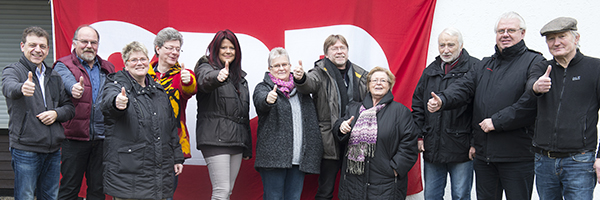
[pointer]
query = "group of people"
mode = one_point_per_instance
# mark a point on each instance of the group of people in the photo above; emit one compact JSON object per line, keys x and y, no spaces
{"x":510,"y":117}
{"x":126,"y":131}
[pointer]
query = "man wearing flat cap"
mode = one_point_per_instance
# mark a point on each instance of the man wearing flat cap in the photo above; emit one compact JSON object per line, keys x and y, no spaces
{"x":568,"y":98}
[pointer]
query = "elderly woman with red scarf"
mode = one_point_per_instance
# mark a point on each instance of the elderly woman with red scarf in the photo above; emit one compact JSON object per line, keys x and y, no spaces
{"x":382,"y":143}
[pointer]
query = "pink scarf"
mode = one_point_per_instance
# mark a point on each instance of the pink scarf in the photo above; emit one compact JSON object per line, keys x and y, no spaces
{"x":284,"y":86}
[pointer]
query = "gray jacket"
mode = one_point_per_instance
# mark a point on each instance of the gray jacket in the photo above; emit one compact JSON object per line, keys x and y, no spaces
{"x":26,"y":131}
{"x":327,"y":100}
{"x":274,"y":144}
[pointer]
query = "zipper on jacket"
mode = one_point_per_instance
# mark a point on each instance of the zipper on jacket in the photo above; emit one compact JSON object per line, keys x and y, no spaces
{"x":562,"y":91}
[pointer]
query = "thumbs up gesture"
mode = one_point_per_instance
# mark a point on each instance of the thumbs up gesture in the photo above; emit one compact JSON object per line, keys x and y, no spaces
{"x":298,"y":71}
{"x":77,"y":89}
{"x":186,"y":77}
{"x":224,"y":73}
{"x":121,"y":100}
{"x":272,"y":96}
{"x":544,"y":83}
{"x":435,"y":103}
{"x":28,"y":87}
{"x":345,"y":126}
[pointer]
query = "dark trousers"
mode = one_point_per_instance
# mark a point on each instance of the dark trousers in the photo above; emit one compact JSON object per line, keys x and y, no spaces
{"x":514,"y":178}
{"x":79,"y":158}
{"x":327,"y":177}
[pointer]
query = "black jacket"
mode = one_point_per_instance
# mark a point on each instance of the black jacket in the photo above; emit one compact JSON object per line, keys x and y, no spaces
{"x":446,"y":134}
{"x":141,"y":144}
{"x":275,"y":133}
{"x":223,"y":111}
{"x":497,"y":88}
{"x":568,"y":113}
{"x":396,"y":149}
{"x":26,"y":131}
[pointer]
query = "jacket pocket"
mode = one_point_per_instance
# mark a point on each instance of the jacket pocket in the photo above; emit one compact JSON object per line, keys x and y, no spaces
{"x":30,"y":133}
{"x":131,"y":159}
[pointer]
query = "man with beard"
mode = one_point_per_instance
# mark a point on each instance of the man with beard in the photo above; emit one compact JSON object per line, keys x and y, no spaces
{"x":446,"y":136}
{"x":83,"y":74}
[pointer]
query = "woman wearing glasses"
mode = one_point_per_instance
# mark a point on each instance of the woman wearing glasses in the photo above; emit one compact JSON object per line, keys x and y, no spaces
{"x":223,"y":127}
{"x":141,"y":149}
{"x":288,"y":144}
{"x":382,"y":143}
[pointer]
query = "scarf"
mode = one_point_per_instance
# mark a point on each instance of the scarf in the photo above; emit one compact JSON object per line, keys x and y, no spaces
{"x":284,"y":86}
{"x":362,"y":139}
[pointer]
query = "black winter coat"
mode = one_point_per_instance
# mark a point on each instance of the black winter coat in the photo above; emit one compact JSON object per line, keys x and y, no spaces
{"x":141,"y":144}
{"x":396,"y":149}
{"x":446,"y":134}
{"x":223,"y":111}
{"x":568,"y":113}
{"x":497,"y":88}
{"x":275,"y":134}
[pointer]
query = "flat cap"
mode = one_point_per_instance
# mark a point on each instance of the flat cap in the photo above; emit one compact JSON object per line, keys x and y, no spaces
{"x":560,"y":24}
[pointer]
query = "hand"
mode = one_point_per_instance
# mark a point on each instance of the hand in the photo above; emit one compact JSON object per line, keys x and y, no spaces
{"x":246,"y":158}
{"x":77,"y":89}
{"x":421,"y":146}
{"x":272,"y":96}
{"x":121,"y":100}
{"x":178,"y":169}
{"x":597,"y":168}
{"x":345,"y":126}
{"x":472,"y":153}
{"x":487,"y":125}
{"x":544,"y":83}
{"x":47,"y":117}
{"x":185,"y":75}
{"x":224,"y":73}
{"x":28,"y":86}
{"x":434,"y":104}
{"x":298,"y":71}
{"x":395,"y":173}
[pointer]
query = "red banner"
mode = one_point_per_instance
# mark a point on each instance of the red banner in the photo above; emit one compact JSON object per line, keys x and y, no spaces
{"x":391,"y":33}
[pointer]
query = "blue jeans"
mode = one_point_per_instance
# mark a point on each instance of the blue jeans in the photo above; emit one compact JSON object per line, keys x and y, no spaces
{"x":461,"y":179}
{"x":572,"y":177}
{"x":37,"y":173}
{"x":282,"y":183}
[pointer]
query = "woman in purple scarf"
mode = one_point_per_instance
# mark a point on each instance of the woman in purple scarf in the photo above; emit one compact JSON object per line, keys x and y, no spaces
{"x":382,"y":143}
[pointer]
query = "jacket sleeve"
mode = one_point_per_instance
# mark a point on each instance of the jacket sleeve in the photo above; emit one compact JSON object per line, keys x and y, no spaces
{"x":310,"y":83}
{"x":460,"y":91}
{"x":190,"y":89}
{"x":418,"y":106}
{"x":65,"y":110}
{"x":109,"y":109}
{"x":521,"y":113}
{"x":261,"y":91}
{"x":66,"y":75}
{"x":535,"y":73}
{"x":11,"y":85}
{"x":207,"y":78}
{"x":407,"y":152}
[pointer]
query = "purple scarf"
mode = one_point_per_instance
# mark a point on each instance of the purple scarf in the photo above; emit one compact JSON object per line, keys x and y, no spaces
{"x":284,"y":86}
{"x":363,"y":139}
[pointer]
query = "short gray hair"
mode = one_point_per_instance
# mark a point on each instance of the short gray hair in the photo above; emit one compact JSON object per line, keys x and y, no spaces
{"x":167,"y":34}
{"x":511,"y":15}
{"x":276,"y":53}
{"x":575,"y":35}
{"x":134,"y":46}
{"x":451,"y":31}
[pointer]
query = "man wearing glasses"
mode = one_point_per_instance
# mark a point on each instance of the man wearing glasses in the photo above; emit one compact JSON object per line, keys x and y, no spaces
{"x":83,"y":74}
{"x":503,"y":113}
{"x":333,"y":82}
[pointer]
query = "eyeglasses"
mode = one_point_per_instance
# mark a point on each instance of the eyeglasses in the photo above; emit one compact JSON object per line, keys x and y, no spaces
{"x":85,"y":42}
{"x":336,"y":49}
{"x":283,"y":65}
{"x":177,"y":49}
{"x":378,"y":81}
{"x":510,"y":31}
{"x":135,"y":60}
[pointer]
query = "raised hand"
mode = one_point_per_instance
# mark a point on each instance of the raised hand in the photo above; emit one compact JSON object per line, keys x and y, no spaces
{"x":121,"y":100}
{"x":298,"y":71}
{"x":77,"y":89}
{"x":345,"y":126}
{"x":434,"y":104}
{"x":272,"y":96}
{"x":185,"y":75}
{"x":224,"y":73}
{"x":544,"y":83}
{"x":28,"y":86}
